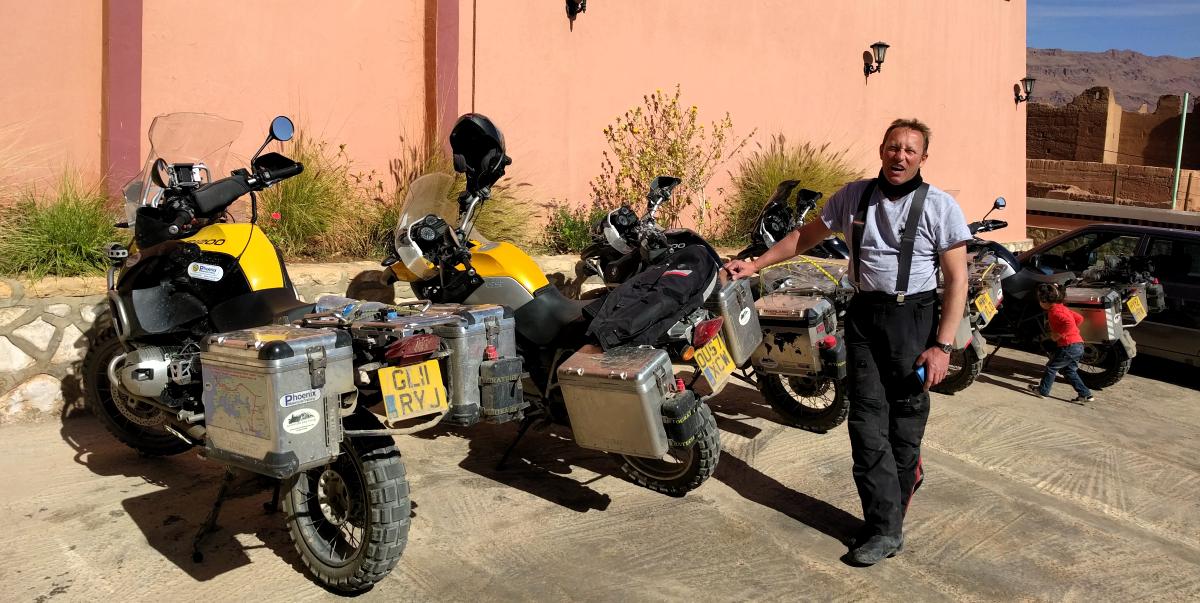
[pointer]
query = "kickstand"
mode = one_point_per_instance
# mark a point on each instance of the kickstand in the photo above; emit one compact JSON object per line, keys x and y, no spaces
{"x":273,"y":505}
{"x":210,"y":524}
{"x":526,"y":423}
{"x":988,"y":360}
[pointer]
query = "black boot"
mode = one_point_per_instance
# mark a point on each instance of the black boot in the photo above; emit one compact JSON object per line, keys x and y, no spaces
{"x":876,"y":549}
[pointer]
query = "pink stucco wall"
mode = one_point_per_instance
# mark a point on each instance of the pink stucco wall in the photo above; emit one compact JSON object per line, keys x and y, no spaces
{"x":50,"y":95}
{"x":346,"y":72}
{"x":364,"y":73}
{"x":775,"y":65}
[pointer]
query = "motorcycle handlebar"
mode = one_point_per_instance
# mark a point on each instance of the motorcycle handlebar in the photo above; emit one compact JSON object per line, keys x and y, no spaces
{"x":217,"y":195}
{"x":283,"y":173}
{"x":211,"y":197}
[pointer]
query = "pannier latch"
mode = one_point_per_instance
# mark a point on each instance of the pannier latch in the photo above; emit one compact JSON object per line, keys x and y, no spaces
{"x":316,"y":366}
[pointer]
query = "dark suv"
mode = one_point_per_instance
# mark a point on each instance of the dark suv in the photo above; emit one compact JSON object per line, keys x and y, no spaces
{"x":1173,"y":333}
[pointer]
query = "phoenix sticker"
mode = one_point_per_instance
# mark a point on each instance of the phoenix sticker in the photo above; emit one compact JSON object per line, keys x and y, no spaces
{"x":205,"y":272}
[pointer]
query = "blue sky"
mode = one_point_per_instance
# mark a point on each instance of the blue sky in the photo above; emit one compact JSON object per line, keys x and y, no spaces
{"x":1153,"y":27}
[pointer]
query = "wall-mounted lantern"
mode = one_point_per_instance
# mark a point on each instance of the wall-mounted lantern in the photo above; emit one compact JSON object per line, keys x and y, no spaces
{"x":1026,"y":85}
{"x":574,"y":7}
{"x":878,"y":52}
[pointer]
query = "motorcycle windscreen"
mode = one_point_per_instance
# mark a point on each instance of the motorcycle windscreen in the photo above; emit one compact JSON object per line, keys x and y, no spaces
{"x":159,"y":309}
{"x":431,"y":194}
{"x":200,"y":139}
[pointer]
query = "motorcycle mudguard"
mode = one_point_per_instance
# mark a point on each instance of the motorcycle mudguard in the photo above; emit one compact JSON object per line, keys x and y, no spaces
{"x":978,"y":342}
{"x":1129,"y":344}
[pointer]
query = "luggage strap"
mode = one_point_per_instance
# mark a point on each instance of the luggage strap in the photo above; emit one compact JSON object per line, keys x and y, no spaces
{"x":907,"y":238}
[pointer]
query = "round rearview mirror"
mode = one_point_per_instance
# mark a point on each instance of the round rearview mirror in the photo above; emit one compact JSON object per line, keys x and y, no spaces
{"x":1000,"y":203}
{"x":282,"y":128}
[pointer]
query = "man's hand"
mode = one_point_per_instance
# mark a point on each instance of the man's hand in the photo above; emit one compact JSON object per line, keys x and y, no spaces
{"x":936,"y":362}
{"x":740,"y":268}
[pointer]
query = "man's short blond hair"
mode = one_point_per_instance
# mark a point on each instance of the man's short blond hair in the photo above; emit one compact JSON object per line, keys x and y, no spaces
{"x":911,"y":124}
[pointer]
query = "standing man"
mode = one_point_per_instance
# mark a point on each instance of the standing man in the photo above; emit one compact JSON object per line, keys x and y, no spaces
{"x":900,"y":230}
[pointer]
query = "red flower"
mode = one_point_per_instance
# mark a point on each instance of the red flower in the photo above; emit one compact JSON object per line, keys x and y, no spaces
{"x":275,"y":215}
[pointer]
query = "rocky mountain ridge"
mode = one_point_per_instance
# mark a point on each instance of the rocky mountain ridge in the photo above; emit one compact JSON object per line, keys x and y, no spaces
{"x":1136,"y":78}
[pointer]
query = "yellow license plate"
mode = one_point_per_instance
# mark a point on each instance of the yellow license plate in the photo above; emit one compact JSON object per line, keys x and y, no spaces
{"x":412,"y":391}
{"x":1136,"y":308}
{"x":986,"y":306}
{"x":715,"y":362}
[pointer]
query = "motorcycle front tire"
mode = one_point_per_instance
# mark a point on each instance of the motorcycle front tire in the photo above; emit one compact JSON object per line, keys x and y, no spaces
{"x":1103,"y":365}
{"x":794,"y":412}
{"x":969,"y":366}
{"x":363,"y":490}
{"x":688,"y":467}
{"x":146,"y":439}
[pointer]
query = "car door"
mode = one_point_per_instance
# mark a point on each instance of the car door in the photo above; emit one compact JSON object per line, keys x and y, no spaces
{"x":1175,"y":332}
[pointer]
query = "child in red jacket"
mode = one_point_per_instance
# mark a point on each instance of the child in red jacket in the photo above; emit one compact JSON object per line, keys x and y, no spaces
{"x":1064,"y":328}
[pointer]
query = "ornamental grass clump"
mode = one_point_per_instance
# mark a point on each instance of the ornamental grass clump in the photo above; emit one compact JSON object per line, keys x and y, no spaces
{"x":319,"y":213}
{"x":60,"y":233}
{"x":817,"y":167}
{"x":505,"y":216}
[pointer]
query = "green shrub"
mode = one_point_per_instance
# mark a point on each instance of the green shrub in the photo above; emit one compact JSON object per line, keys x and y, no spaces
{"x":662,"y":138}
{"x":61,"y":234}
{"x":569,"y":229}
{"x":816,"y":167}
{"x":320,"y":212}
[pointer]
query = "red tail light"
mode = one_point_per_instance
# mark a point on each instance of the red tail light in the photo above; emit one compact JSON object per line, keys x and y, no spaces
{"x":413,"y":347}
{"x":1154,"y":281}
{"x":706,"y":331}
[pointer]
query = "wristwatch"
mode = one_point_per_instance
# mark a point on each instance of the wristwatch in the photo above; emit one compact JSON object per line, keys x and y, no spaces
{"x":945,"y":347}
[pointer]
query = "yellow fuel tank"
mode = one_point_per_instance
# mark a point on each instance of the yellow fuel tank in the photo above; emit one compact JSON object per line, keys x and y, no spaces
{"x":492,"y":259}
{"x":258,"y":258}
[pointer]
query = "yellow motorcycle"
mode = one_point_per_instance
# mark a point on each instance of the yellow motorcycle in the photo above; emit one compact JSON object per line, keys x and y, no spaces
{"x":627,"y":400}
{"x":200,"y":353}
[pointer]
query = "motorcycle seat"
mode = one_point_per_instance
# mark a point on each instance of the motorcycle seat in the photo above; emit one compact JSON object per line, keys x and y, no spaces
{"x":258,"y":308}
{"x":1026,"y":281}
{"x":1058,"y":278}
{"x":550,"y":313}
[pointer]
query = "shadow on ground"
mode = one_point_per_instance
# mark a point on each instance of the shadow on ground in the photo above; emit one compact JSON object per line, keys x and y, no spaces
{"x":170,"y":515}
{"x":1167,"y":371}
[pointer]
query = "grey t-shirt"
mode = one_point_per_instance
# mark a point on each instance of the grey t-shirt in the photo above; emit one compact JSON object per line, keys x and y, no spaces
{"x":941,"y":227}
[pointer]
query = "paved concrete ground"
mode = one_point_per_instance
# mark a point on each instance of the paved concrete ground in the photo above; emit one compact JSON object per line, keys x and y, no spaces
{"x":1024,"y":499}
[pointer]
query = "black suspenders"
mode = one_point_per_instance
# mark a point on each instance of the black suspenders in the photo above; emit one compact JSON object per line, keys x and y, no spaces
{"x":907,"y":239}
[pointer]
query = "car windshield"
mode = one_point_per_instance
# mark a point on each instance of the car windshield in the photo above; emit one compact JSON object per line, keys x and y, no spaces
{"x":200,"y":139}
{"x":429,"y":194}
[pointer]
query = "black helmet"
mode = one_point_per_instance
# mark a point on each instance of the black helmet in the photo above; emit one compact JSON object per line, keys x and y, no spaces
{"x":478,"y":149}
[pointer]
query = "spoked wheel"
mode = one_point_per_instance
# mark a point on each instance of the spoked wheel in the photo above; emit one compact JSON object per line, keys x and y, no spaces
{"x":1103,"y":365}
{"x":349,"y":519}
{"x":965,"y":365}
{"x":136,"y":424}
{"x":683,"y":469}
{"x":811,"y":403}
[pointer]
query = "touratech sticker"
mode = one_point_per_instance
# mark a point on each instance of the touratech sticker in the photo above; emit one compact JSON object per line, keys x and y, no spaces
{"x":301,"y":421}
{"x":205,"y":272}
{"x":744,"y":316}
{"x":298,"y":398}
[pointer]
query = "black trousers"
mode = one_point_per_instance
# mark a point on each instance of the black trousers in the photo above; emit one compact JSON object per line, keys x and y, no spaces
{"x":888,"y":407}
